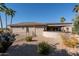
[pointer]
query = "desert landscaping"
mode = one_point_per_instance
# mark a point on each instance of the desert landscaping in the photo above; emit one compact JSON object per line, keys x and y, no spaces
{"x":21,"y":47}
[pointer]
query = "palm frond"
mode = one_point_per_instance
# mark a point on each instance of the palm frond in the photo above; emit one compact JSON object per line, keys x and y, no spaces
{"x":76,"y":8}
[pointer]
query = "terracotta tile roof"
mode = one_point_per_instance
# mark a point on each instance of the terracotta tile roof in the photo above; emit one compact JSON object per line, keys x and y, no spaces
{"x":38,"y":24}
{"x":28,"y":24}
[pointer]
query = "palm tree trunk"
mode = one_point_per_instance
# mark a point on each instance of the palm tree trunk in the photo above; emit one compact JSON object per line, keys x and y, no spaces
{"x":6,"y":20}
{"x":11,"y":20}
{"x":1,"y":23}
{"x":11,"y":24}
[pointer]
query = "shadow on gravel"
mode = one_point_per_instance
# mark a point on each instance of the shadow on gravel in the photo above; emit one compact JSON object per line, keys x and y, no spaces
{"x":31,"y":50}
{"x":22,"y":50}
{"x":62,"y":52}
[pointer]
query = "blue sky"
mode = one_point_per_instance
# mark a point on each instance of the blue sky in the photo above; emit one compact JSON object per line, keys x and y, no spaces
{"x":45,"y":13}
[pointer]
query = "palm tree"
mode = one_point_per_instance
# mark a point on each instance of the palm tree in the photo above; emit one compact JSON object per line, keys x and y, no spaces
{"x":76,"y":20}
{"x":12,"y":14}
{"x":5,"y":10}
{"x":62,"y":20}
{"x":8,"y":12}
{"x":1,"y":10}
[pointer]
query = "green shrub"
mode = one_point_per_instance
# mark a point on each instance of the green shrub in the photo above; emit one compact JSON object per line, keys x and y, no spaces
{"x":43,"y":48}
{"x":29,"y":38}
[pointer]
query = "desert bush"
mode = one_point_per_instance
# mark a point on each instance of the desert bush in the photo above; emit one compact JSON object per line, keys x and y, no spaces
{"x":1,"y":30}
{"x":71,"y":42}
{"x":6,"y":39}
{"x":6,"y":44}
{"x":29,"y":38}
{"x":2,"y":49}
{"x":43,"y":48}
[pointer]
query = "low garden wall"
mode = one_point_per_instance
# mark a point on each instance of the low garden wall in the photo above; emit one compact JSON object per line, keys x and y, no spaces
{"x":51,"y":34}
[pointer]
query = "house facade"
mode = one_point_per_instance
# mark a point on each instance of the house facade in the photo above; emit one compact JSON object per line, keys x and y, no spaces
{"x":38,"y":29}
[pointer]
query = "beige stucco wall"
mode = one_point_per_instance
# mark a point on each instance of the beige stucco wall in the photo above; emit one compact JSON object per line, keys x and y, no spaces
{"x":32,"y":30}
{"x":39,"y":31}
{"x":19,"y":30}
{"x":69,"y":28}
{"x":51,"y":34}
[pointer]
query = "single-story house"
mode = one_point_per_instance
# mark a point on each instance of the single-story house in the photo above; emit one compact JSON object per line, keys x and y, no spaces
{"x":34,"y":28}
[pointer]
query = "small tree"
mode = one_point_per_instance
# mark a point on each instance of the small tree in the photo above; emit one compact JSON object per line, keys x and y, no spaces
{"x":75,"y":28}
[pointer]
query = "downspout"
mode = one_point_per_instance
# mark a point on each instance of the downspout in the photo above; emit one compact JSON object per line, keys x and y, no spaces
{"x":35,"y":31}
{"x":26,"y":31}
